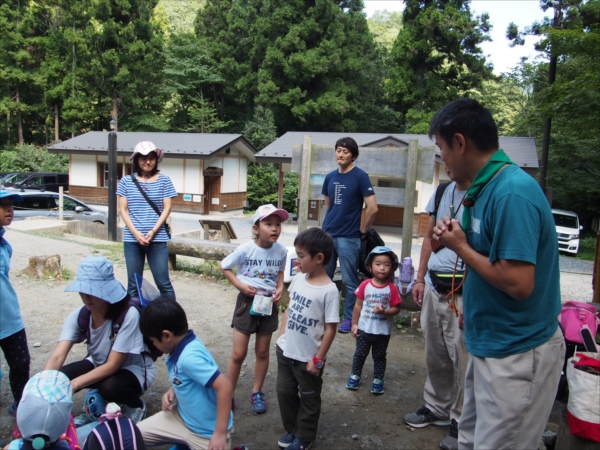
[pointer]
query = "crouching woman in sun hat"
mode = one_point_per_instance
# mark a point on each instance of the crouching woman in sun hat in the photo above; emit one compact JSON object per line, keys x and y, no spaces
{"x":145,"y":204}
{"x":118,"y":366}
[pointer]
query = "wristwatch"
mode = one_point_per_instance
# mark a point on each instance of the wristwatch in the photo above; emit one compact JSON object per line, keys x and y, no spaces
{"x":319,"y":363}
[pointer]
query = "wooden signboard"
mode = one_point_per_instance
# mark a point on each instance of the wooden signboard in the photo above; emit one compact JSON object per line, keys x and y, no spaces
{"x":213,"y":172}
{"x":412,"y":164}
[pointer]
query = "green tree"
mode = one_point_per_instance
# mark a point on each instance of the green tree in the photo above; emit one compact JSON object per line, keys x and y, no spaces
{"x":572,"y":102}
{"x":191,"y":79}
{"x":437,"y":58}
{"x":311,"y":63}
{"x":30,"y":158}
{"x":263,"y":178}
{"x":385,"y":26}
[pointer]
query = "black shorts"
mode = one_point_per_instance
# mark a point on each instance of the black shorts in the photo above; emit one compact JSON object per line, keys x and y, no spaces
{"x":246,"y":323}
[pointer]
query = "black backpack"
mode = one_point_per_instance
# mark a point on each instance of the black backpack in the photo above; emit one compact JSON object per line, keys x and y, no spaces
{"x":371,"y":240}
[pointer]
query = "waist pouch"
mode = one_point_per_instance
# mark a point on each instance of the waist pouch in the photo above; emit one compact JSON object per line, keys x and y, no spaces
{"x":442,"y":281}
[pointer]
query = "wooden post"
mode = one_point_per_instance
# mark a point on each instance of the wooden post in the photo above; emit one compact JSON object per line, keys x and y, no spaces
{"x":61,"y":203}
{"x":206,"y":232}
{"x":409,"y":198}
{"x":225,"y":234}
{"x":304,"y":184}
{"x":280,"y":191}
{"x":596,"y":276}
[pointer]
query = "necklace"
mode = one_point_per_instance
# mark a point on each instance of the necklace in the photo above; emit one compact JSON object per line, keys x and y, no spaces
{"x":452,"y":212}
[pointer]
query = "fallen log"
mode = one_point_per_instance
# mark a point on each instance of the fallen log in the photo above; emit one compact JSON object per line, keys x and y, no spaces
{"x":198,"y":248}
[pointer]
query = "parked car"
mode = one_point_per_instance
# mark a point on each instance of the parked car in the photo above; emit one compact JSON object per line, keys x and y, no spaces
{"x":48,"y":181}
{"x":40,"y":203}
{"x":567,"y":230}
{"x":7,"y":176}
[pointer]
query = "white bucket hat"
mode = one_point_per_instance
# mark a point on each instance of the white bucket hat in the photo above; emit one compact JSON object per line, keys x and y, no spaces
{"x":145,"y":147}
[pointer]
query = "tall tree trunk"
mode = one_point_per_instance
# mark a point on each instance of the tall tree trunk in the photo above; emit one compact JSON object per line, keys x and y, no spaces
{"x":19,"y":123}
{"x":115,"y":107}
{"x":56,"y":122}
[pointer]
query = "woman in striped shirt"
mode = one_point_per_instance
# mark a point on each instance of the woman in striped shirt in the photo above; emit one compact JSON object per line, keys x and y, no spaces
{"x":145,"y":232}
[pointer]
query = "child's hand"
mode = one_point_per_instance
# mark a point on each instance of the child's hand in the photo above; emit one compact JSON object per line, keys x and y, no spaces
{"x":354,"y":330}
{"x":218,"y":441}
{"x":379,"y":310}
{"x":247,"y":290}
{"x":168,"y":400}
{"x":312,"y":369}
{"x":277,"y":294}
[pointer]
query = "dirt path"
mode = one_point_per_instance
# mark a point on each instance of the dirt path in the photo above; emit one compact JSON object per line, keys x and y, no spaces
{"x":376,"y":421}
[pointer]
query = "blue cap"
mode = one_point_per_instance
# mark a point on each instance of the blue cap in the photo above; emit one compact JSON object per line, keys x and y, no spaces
{"x":95,"y":276}
{"x":12,"y":196}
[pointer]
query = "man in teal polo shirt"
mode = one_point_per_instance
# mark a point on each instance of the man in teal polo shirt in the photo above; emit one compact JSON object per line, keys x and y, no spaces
{"x":511,"y":295}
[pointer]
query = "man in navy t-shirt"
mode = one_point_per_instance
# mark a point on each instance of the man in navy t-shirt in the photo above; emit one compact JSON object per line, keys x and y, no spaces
{"x":345,"y":190}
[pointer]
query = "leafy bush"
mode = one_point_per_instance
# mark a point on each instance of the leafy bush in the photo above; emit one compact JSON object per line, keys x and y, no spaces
{"x":30,"y":158}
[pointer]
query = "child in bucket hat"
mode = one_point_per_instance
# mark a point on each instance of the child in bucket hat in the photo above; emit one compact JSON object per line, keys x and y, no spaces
{"x":44,"y":412}
{"x":13,"y":338}
{"x":117,"y":364}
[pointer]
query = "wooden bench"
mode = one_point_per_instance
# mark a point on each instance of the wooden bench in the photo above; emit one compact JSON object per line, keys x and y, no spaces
{"x":197,"y":248}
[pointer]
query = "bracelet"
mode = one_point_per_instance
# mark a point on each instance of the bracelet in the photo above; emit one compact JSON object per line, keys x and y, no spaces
{"x":419,"y":282}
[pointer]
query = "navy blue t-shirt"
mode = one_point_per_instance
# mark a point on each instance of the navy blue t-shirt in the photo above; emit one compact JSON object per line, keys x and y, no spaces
{"x":346,"y":192}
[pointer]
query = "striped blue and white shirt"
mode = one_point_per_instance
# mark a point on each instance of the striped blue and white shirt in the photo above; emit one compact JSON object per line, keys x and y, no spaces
{"x":142,"y":214}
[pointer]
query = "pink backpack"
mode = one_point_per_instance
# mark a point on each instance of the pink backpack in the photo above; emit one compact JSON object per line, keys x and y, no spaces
{"x":575,"y":316}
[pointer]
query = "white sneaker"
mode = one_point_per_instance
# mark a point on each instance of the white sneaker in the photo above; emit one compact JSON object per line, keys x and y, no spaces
{"x":136,"y":415}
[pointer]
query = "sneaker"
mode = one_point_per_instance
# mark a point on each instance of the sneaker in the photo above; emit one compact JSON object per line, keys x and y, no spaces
{"x":353,"y":382}
{"x":12,"y":409}
{"x":424,"y":417}
{"x":377,"y":387}
{"x":258,"y":403}
{"x":82,"y":419}
{"x":450,"y":442}
{"x":346,"y":326}
{"x":136,"y":415}
{"x":286,"y":441}
{"x":297,"y":444}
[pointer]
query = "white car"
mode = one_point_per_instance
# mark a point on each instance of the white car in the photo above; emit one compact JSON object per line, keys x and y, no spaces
{"x":567,"y":230}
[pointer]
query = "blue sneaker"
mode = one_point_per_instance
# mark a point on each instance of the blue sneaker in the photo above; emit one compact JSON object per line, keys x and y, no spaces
{"x":377,"y":387}
{"x":286,"y":441}
{"x":346,"y":326}
{"x":259,"y":405}
{"x":297,"y":444}
{"x":353,"y":382}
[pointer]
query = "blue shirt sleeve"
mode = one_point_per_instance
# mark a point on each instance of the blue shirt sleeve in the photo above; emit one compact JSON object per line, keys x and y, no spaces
{"x":122,"y":187}
{"x":366,"y":188}
{"x":325,"y":185}
{"x":168,"y":187}
{"x":199,"y":366}
{"x":516,"y":225}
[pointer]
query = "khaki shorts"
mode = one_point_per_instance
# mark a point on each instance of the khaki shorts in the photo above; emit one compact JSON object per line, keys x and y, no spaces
{"x":246,"y":323}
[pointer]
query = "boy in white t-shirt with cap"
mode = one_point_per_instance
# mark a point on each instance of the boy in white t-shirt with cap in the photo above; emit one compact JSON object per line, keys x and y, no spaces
{"x":260,"y":265}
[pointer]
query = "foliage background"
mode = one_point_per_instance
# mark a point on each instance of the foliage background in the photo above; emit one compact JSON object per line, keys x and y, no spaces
{"x":265,"y":68}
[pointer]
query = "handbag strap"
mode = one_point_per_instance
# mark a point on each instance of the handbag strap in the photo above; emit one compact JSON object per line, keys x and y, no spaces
{"x":150,"y":202}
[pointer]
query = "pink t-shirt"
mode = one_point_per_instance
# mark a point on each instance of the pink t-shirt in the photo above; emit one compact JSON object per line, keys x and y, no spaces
{"x":386,"y":296}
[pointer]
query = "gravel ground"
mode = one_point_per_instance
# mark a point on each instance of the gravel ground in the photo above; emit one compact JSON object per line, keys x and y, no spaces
{"x":376,"y":421}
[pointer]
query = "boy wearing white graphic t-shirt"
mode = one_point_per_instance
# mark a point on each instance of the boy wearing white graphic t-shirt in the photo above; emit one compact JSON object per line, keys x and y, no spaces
{"x":307,"y":331}
{"x":377,"y":301}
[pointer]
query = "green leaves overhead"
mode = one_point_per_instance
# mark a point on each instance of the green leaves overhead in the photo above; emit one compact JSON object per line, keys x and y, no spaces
{"x":437,"y":58}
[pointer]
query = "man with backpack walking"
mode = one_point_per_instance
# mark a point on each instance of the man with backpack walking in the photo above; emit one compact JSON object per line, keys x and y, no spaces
{"x":507,"y":240}
{"x":345,"y":190}
{"x":445,"y":351}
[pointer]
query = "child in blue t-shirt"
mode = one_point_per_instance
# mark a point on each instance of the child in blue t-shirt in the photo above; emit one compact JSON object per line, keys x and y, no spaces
{"x":13,"y":338}
{"x":196,"y":410}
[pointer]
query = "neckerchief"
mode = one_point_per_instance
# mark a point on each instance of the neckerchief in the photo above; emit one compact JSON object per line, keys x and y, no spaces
{"x":483,"y":177}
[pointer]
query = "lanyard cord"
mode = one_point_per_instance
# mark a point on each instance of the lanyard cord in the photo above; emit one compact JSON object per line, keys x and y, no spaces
{"x":452,"y":212}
